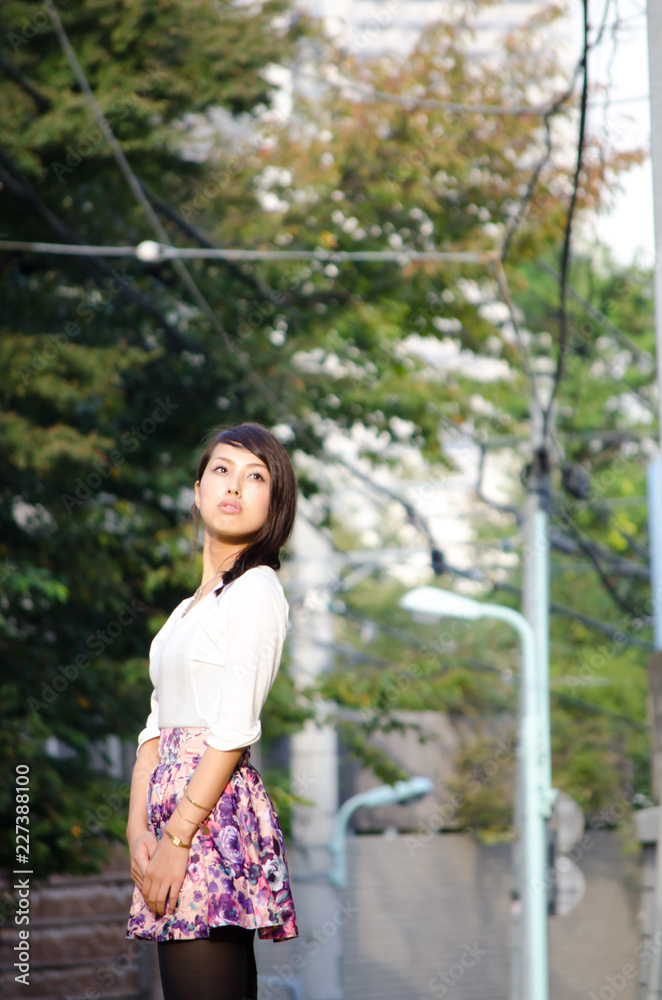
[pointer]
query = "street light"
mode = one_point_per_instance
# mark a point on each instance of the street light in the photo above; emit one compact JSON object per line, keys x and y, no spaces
{"x":383,"y":795}
{"x":533,"y":749}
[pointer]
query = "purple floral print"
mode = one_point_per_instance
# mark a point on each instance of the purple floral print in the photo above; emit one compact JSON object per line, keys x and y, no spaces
{"x":237,"y":873}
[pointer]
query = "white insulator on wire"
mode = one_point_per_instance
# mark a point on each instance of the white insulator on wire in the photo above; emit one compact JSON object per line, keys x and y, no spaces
{"x":149,"y":251}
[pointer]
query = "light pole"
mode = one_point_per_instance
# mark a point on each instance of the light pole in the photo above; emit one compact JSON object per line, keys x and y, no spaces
{"x":533,"y":749}
{"x":383,"y":795}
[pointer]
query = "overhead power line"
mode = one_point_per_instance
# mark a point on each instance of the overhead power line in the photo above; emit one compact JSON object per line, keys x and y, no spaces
{"x":162,"y":250}
{"x":536,"y":173}
{"x":567,"y":240}
{"x":129,"y":175}
{"x":466,"y":664}
{"x":421,"y":524}
{"x":600,"y":317}
{"x":414,"y":101}
{"x":152,"y":252}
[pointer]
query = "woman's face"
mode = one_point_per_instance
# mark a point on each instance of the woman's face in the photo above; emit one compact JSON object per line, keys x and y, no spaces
{"x":233,"y":494}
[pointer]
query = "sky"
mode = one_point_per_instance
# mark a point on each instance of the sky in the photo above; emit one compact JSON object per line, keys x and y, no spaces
{"x":629,"y":227}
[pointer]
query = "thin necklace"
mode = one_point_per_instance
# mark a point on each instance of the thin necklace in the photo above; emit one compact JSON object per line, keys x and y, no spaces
{"x":198,"y":592}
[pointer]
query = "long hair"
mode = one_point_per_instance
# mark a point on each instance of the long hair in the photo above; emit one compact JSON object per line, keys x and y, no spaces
{"x":265,"y":548}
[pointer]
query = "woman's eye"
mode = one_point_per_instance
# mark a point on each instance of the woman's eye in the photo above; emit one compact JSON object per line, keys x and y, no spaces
{"x":224,"y":468}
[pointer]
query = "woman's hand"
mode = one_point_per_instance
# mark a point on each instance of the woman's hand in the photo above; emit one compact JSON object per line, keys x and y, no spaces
{"x":141,"y":840}
{"x":163,"y":876}
{"x":141,"y":848}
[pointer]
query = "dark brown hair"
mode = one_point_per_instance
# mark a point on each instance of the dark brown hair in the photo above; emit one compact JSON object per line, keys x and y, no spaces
{"x":265,"y":548}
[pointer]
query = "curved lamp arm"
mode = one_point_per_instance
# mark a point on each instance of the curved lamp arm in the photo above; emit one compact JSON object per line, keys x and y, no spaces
{"x":383,"y":795}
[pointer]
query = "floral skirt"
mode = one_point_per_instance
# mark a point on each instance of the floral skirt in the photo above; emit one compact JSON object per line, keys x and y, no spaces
{"x":237,"y":871}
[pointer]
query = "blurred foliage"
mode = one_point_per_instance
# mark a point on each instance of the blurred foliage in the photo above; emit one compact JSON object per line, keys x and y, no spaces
{"x":109,"y":385}
{"x":483,"y":791}
{"x":599,"y":684}
{"x":112,"y":376}
{"x":606,"y":417}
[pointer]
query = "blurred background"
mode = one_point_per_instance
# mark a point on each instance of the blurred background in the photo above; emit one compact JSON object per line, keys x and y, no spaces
{"x":421,"y":251}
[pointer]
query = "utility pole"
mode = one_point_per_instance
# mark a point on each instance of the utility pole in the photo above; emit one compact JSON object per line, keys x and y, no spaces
{"x":314,"y":766}
{"x":654,"y":15}
{"x":535,"y":585}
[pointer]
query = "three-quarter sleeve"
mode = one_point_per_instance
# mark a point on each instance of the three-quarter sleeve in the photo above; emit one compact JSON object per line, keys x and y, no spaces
{"x":252,"y":625}
{"x":152,"y":725}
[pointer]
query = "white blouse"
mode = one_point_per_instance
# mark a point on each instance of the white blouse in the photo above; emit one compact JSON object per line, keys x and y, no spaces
{"x":215,"y":665}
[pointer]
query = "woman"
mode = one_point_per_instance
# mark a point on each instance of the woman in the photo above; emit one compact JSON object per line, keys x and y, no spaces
{"x":207,"y":854}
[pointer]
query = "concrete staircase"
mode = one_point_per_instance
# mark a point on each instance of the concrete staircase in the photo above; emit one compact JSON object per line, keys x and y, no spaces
{"x":78,"y":948}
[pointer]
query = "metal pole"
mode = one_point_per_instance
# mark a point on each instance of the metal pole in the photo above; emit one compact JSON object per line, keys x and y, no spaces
{"x":537,"y":798}
{"x":654,"y":15}
{"x":536,"y":552}
{"x":533,"y":751}
{"x":535,"y":586}
{"x":654,"y":491}
{"x":314,"y":763}
{"x":541,"y":632}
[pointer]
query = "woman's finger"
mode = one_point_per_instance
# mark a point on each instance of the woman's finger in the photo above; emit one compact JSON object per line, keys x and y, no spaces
{"x":143,"y":855}
{"x":150,"y":891}
{"x":161,"y":900}
{"x":174,"y":895}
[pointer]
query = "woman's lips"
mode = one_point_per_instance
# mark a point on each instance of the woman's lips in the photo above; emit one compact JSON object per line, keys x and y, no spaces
{"x":230,"y":507}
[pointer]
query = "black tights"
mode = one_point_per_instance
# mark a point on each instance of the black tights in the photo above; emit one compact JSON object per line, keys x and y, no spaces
{"x":220,"y":967}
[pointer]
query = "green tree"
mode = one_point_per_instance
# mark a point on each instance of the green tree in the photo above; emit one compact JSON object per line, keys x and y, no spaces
{"x":600,"y":621}
{"x":111,"y":379}
{"x":113,"y":374}
{"x":368,"y":174}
